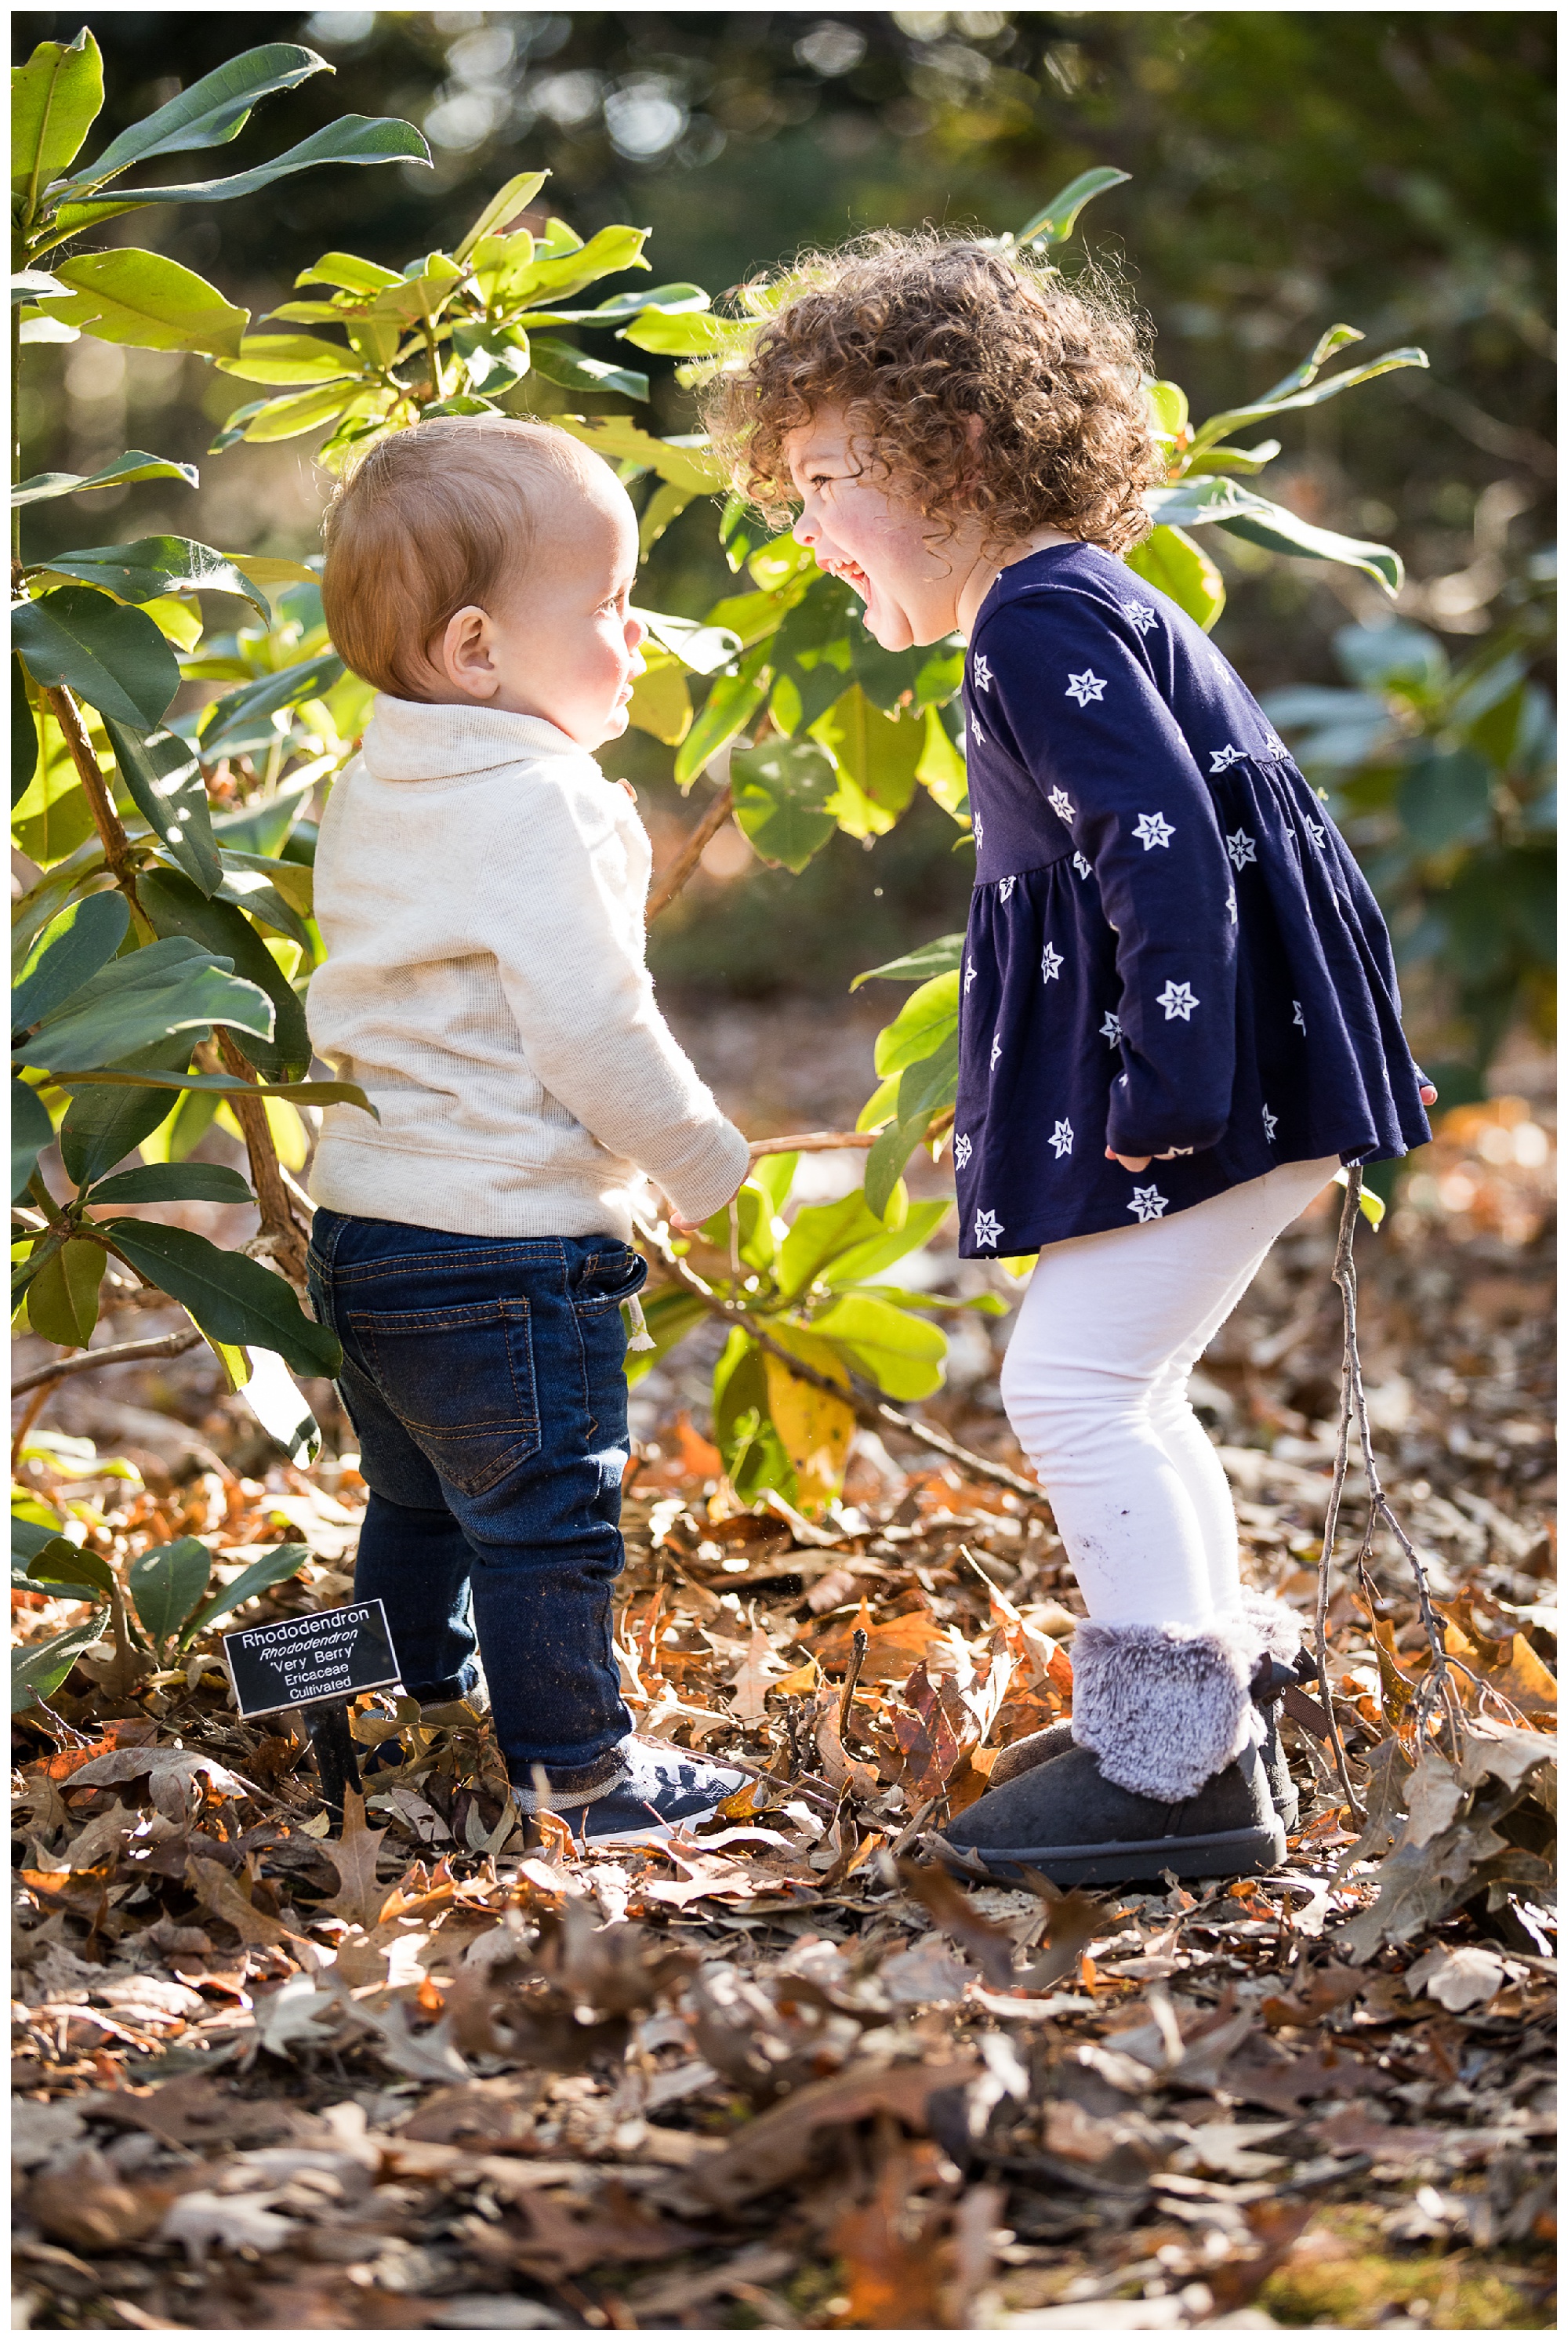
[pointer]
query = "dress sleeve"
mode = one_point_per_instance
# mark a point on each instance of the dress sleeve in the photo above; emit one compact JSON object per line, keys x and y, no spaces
{"x":1074,"y":700}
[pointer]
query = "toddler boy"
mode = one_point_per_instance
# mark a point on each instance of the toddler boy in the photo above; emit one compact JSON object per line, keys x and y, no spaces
{"x":480,"y":887}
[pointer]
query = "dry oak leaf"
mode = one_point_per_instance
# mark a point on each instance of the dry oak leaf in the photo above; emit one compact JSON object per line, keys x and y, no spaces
{"x":216,"y":1892}
{"x":558,"y":2246}
{"x":990,"y":1947}
{"x":87,"y":2206}
{"x":1459,"y":1978}
{"x":168,"y":1771}
{"x":893,"y":2268}
{"x":893,"y":1645}
{"x":777,"y":2148}
{"x":751,"y":1680}
{"x":358,"y":1899}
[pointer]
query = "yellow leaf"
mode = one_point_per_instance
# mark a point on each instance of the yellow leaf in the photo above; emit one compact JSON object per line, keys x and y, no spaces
{"x":816,"y":1430}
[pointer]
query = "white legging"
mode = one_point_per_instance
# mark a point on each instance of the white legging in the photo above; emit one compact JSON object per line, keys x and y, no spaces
{"x":1095,"y":1386}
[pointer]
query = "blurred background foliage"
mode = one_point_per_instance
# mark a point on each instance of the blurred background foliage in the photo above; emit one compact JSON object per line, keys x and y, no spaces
{"x":1288,"y":169}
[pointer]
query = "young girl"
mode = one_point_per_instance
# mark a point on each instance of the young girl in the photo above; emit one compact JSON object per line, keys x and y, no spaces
{"x":1180,"y":1015}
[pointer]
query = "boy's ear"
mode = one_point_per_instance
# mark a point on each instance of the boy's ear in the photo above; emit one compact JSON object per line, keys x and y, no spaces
{"x":463,"y":654}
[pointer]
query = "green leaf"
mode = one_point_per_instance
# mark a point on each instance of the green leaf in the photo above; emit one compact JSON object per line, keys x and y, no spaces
{"x":31,"y":1132}
{"x":1445,"y":799}
{"x":727,"y":710}
{"x":219,"y":1084}
{"x":1299,"y":376}
{"x":63,"y":1298}
{"x":113,"y":658}
{"x":210,"y":113}
{"x":1279,"y":531}
{"x":38,"y":1670}
{"x":901,"y":1354}
{"x":700,"y":647}
{"x":1170,"y":560}
{"x":820,"y":1232}
{"x":24,"y":735}
{"x":503,"y":207}
{"x":884,"y":1164}
{"x":497,"y":355}
{"x":59,"y":1562}
{"x":352,"y":138}
{"x":166,"y":987}
{"x":123,"y":469}
{"x":349,"y":273}
{"x":683,"y":334}
{"x":166,"y":1584}
{"x":148,"y":302}
{"x":71,"y":948}
{"x":929,"y":1085}
{"x":176,"y":907}
{"x":272,"y":1569}
{"x":153,"y":565}
{"x":291,"y":417}
{"x":864,"y":1261}
{"x":1168,"y":405}
{"x":233,"y":1299}
{"x":241,"y":720}
{"x":247,"y":882}
{"x":688,"y":463}
{"x":556,"y":279}
{"x":783,"y":791}
{"x":164,"y":776}
{"x":56,"y":98}
{"x":559,"y":361}
{"x":754,"y":1453}
{"x":102,"y":1125}
{"x":1056,"y":221}
{"x":928,"y":1017}
{"x":290,"y":357}
{"x":175,"y":1182}
{"x":1220,"y":426}
{"x":942,"y":957}
{"x":661,"y":702}
{"x":666,"y":299}
{"x":876,"y":756}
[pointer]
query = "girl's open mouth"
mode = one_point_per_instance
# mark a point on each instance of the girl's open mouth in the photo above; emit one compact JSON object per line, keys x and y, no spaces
{"x":851,"y":571}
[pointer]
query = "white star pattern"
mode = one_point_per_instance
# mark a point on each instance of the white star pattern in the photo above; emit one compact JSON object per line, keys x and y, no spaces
{"x":1139,"y":614}
{"x":1112,"y":1028}
{"x":1152,"y":829}
{"x":1242,"y":848}
{"x":1273,"y":747}
{"x":996,"y":1049}
{"x":1051,"y":963}
{"x":962,"y":1147}
{"x":1231,"y":905}
{"x":1178,"y":1150}
{"x":1085,"y":686}
{"x":979,"y":835}
{"x":1062,"y":804}
{"x":968,"y":973}
{"x":1296,"y":1016}
{"x":1178,"y":999}
{"x":1006,"y":889}
{"x":1318,"y":835}
{"x":979,"y":735}
{"x":987,"y":1227}
{"x":1148,"y":1203}
{"x":1222,"y":758}
{"x":1081,"y":864}
{"x":1062,"y":1139}
{"x":1270,"y":1123}
{"x":982,"y":671}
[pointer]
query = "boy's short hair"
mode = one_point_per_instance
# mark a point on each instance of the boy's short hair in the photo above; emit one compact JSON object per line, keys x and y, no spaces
{"x":919,"y":333}
{"x":429,"y":520}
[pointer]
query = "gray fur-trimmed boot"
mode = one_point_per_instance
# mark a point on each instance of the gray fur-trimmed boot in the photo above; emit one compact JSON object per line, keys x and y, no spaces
{"x":1165,"y":1773}
{"x":1285,"y":1662}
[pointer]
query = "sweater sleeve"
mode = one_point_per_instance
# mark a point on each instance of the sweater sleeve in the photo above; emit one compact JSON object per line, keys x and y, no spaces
{"x":570,"y":948}
{"x":1074,"y":700}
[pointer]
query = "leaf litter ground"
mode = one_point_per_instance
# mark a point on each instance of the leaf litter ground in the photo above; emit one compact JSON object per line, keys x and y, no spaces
{"x":782,"y":2072}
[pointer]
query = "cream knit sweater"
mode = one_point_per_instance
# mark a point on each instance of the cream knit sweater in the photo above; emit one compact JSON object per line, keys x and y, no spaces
{"x":480,"y":887}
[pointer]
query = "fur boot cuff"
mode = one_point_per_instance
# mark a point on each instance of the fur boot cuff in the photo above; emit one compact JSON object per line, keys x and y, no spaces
{"x":1163,"y":1708}
{"x":1278,"y":1628}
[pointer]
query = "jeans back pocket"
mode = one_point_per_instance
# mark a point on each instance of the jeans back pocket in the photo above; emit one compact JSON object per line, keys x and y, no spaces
{"x":607,"y":1278}
{"x":461,"y":1382}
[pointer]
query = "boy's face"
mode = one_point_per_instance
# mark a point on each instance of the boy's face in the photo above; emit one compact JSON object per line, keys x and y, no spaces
{"x":563,"y":644}
{"x":907,"y":569}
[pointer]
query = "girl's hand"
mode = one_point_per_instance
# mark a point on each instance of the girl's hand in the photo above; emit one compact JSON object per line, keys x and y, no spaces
{"x":1139,"y":1161}
{"x":1428,"y":1094}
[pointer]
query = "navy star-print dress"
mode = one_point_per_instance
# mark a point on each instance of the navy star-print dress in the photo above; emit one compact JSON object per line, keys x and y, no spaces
{"x":1170,"y":949}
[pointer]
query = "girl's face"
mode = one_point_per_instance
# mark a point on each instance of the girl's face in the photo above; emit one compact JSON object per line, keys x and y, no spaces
{"x":909,"y":570}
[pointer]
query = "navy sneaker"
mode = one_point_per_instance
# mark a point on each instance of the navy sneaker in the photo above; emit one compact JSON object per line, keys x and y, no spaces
{"x":664,"y":1789}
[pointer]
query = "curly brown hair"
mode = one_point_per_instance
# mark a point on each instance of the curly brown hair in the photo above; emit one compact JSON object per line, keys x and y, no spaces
{"x":918,"y":334}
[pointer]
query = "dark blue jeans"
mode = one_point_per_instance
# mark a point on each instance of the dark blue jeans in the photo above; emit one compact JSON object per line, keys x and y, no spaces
{"x":486,"y":1380}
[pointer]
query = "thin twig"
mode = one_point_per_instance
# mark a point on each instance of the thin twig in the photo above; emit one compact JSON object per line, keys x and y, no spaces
{"x":680,"y":869}
{"x":106,"y":820}
{"x":118,"y":1353}
{"x":813,"y":1141}
{"x":280,"y":1238}
{"x":1343,"y":1274}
